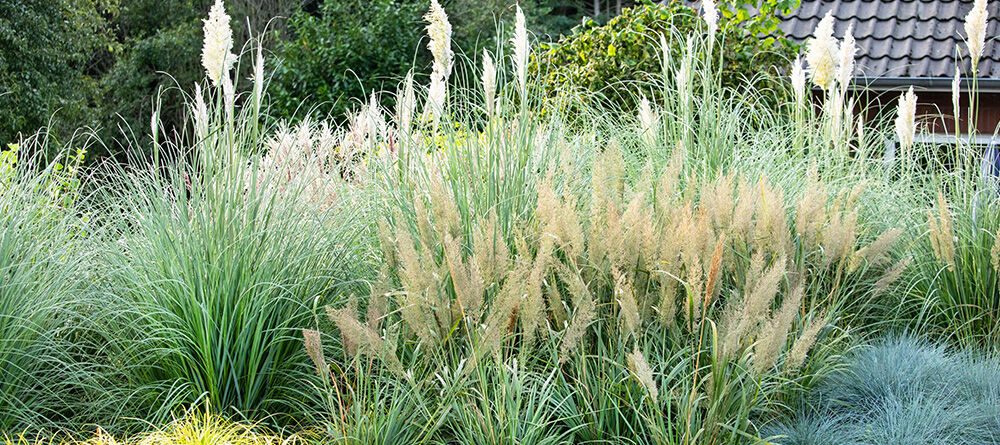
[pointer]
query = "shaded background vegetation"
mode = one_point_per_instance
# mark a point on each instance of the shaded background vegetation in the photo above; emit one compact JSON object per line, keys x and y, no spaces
{"x":101,"y":64}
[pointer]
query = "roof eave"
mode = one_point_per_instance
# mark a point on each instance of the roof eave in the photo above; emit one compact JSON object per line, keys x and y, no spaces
{"x":933,"y":84}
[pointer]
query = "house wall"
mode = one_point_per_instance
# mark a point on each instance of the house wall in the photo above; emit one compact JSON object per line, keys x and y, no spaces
{"x":934,"y":110}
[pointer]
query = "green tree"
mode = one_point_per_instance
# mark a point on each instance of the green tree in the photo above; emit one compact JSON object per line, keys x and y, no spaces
{"x":47,"y":53}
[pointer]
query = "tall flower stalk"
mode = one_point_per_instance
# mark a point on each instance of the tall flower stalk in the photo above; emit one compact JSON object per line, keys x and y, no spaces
{"x":975,"y":40}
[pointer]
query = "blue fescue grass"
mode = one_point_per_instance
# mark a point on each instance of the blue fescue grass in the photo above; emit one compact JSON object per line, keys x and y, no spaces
{"x":901,"y":390}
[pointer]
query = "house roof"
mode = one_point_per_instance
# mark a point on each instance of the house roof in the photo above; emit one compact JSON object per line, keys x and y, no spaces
{"x":903,"y":38}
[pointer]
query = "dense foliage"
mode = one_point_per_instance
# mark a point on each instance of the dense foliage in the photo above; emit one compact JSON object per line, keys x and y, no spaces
{"x":46,"y":55}
{"x":623,"y":58}
{"x":104,"y":64}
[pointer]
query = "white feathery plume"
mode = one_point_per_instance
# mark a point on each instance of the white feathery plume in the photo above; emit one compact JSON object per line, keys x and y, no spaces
{"x":906,"y":119}
{"x":228,"y":95}
{"x":437,"y":93}
{"x":216,"y":55}
{"x":711,"y":14}
{"x":798,"y":81}
{"x":405,"y":103}
{"x":684,"y":72}
{"x":956,"y":86}
{"x":200,"y":111}
{"x":847,"y":52}
{"x":821,"y":53}
{"x":439,"y":31}
{"x":647,"y":122}
{"x":258,"y":78}
{"x":520,"y":42}
{"x":975,"y":30}
{"x":489,"y":82}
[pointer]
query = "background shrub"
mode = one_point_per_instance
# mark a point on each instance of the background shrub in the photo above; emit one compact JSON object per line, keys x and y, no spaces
{"x":623,"y":58}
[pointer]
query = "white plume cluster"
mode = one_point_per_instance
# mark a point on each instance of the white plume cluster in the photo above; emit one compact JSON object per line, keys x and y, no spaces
{"x":216,"y":53}
{"x":975,"y":30}
{"x":906,"y":119}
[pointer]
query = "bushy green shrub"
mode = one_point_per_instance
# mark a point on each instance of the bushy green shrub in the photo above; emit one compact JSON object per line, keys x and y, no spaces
{"x":343,"y":52}
{"x":624,"y":58}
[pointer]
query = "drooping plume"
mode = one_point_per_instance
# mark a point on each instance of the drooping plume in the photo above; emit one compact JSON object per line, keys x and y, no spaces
{"x":216,"y":53}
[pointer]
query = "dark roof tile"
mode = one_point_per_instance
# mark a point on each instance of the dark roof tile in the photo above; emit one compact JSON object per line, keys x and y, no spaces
{"x":904,"y":38}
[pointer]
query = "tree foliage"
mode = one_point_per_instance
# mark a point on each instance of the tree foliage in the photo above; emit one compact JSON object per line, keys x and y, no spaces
{"x":624,"y":55}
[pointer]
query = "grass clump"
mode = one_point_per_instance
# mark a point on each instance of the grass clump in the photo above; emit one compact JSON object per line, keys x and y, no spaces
{"x":901,"y":390}
{"x":225,"y":258}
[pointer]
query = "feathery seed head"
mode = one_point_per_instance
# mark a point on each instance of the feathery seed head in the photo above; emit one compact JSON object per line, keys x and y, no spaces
{"x":520,"y":42}
{"x":798,"y":81}
{"x":975,"y":31}
{"x":405,"y":104}
{"x":805,"y":342}
{"x":314,"y":348}
{"x":216,"y":55}
{"x":956,"y":86}
{"x":489,"y":82}
{"x":891,"y":275}
{"x":821,"y":53}
{"x":439,"y":31}
{"x":640,"y":368}
{"x":845,"y":70}
{"x":647,"y":122}
{"x":258,"y":78}
{"x":711,"y":14}
{"x":200,"y":114}
{"x":906,"y":120}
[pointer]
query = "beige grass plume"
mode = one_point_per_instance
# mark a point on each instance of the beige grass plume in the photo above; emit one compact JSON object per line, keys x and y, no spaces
{"x":798,"y":78}
{"x":845,"y":68}
{"x":941,"y":234}
{"x":640,"y":369}
{"x":800,"y":349}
